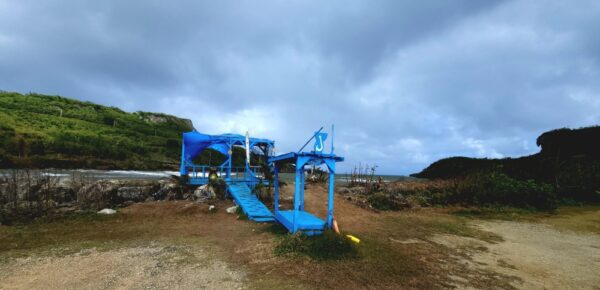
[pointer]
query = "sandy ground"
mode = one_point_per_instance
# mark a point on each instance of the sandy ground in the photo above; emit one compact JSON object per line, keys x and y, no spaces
{"x":151,"y":267}
{"x":533,"y":255}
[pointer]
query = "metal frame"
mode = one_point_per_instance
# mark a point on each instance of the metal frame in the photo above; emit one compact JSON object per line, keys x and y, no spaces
{"x":298,"y":219}
{"x":198,"y":174}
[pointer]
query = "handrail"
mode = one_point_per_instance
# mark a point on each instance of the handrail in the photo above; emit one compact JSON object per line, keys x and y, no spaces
{"x":313,"y":136}
{"x":249,"y":173}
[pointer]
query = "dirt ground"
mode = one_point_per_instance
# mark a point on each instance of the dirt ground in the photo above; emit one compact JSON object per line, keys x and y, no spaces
{"x":151,"y":267}
{"x":536,"y":256}
{"x":181,"y":245}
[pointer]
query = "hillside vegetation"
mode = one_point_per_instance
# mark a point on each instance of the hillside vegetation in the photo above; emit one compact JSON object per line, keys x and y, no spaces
{"x":569,"y":160}
{"x":51,"y":131}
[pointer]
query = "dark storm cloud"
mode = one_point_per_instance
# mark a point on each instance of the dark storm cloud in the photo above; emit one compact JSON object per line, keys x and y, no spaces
{"x":405,"y":82}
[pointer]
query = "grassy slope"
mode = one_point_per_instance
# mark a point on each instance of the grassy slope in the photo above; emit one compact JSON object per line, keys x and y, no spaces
{"x":52,"y":131}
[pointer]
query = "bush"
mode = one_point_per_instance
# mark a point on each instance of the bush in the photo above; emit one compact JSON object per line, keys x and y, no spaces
{"x":485,"y":189}
{"x":499,"y":189}
{"x":383,"y":201}
{"x":328,"y":246}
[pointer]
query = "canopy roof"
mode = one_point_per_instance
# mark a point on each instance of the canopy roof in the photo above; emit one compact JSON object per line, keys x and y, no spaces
{"x":195,"y":142}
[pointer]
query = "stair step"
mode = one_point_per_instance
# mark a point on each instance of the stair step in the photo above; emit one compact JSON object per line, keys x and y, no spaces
{"x":251,"y":205}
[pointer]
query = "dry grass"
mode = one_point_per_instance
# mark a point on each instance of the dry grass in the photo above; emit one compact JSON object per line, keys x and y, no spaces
{"x":396,"y":250}
{"x":581,"y":219}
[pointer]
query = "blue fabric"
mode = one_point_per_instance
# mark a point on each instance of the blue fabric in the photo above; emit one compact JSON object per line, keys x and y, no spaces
{"x":196,"y":142}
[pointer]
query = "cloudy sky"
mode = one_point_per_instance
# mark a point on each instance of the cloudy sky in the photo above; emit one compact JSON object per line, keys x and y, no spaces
{"x":405,"y":82}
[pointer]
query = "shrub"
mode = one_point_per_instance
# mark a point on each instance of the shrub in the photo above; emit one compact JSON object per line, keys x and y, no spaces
{"x":386,"y":201}
{"x":498,"y":189}
{"x":485,"y":189}
{"x":328,"y":246}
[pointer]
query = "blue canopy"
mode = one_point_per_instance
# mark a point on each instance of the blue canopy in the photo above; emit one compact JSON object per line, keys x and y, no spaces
{"x":195,"y":142}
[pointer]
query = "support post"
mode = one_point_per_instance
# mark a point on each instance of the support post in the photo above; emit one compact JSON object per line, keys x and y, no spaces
{"x":229,"y":153}
{"x":182,"y":169}
{"x":302,"y":181}
{"x":331,"y":191}
{"x":275,"y":188}
{"x":332,"y":127}
{"x":296,"y":197}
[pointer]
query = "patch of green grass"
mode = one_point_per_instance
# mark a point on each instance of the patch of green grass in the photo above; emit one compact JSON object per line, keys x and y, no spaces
{"x":461,"y":227}
{"x":328,"y":246}
{"x":582,"y":219}
{"x":497,"y":212}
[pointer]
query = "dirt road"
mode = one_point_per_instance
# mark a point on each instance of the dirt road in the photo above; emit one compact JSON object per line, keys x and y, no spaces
{"x":533,"y":255}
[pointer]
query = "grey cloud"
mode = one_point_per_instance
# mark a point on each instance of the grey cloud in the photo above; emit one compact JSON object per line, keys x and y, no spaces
{"x":405,"y":82}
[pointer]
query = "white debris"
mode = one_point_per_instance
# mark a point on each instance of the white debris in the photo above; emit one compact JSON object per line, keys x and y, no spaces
{"x":232,"y":209}
{"x":107,"y":211}
{"x":211,"y":208}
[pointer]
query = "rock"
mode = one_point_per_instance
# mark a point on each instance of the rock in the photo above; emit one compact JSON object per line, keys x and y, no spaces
{"x":167,"y":190}
{"x":232,"y":209}
{"x":149,"y":199}
{"x":204,"y":193}
{"x":345,"y":191}
{"x":134,"y":193}
{"x":212,"y":208}
{"x":67,"y":209}
{"x":107,"y":211}
{"x":97,"y":195}
{"x":188,"y":196}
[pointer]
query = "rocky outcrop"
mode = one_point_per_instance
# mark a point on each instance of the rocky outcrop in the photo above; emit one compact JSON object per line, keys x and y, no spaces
{"x":31,"y":199}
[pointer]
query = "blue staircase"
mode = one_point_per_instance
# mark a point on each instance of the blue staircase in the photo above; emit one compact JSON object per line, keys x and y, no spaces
{"x":250,"y":204}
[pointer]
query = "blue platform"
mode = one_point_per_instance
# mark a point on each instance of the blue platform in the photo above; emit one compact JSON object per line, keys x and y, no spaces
{"x":306,"y":222}
{"x":250,"y":204}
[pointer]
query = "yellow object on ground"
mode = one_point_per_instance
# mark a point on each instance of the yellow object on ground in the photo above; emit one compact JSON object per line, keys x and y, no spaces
{"x":353,"y":238}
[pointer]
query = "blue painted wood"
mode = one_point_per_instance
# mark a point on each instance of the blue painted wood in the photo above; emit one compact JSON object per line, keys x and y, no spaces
{"x":298,"y":219}
{"x":305,"y":221}
{"x":250,"y":204}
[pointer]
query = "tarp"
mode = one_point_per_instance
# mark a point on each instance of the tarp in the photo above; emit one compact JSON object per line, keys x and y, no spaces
{"x":196,"y":142}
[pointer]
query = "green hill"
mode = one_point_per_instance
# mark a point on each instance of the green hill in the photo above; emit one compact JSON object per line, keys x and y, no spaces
{"x":569,"y":159}
{"x":51,"y":131}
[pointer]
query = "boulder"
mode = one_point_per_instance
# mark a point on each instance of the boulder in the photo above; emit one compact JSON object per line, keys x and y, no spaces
{"x":134,"y":193}
{"x":107,"y":211}
{"x":204,"y":193}
{"x":232,"y":210}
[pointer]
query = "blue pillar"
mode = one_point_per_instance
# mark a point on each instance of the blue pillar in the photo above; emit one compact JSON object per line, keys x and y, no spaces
{"x":302,"y":180}
{"x":182,"y":169}
{"x":229,"y":153}
{"x":297,"y":196}
{"x":276,"y":188}
{"x":331,"y":191}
